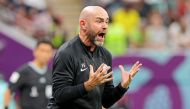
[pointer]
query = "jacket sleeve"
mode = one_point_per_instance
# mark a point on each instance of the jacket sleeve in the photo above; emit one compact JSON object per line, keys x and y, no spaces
{"x":63,"y":76}
{"x":111,"y":94}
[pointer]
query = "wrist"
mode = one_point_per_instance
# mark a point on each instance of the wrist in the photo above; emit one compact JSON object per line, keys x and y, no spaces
{"x":88,"y":86}
{"x":124,"y":85}
{"x":121,"y":88}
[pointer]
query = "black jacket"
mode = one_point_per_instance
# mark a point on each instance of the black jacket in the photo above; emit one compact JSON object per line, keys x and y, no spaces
{"x":71,"y":70}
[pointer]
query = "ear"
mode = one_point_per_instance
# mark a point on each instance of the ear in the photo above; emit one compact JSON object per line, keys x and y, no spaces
{"x":82,"y":24}
{"x":34,"y":53}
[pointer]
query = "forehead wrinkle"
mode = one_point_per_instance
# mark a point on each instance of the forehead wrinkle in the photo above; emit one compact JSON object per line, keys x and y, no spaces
{"x":107,"y":19}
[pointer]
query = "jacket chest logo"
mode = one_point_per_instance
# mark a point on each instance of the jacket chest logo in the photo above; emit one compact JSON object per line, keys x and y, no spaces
{"x":83,"y":67}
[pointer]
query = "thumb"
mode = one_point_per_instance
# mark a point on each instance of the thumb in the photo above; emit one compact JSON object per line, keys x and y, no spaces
{"x":122,"y":71}
{"x":91,"y":70}
{"x":122,"y":68}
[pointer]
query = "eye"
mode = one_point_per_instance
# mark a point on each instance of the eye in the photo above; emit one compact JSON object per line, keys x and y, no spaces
{"x":98,"y":21}
{"x":107,"y":21}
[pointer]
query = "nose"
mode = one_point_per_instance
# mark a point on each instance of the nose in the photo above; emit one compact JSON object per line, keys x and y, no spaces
{"x":105,"y":25}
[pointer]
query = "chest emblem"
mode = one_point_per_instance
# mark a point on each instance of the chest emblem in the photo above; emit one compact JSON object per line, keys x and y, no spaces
{"x":83,"y":67}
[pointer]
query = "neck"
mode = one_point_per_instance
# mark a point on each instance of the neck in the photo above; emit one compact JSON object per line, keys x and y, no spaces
{"x":86,"y":41}
{"x":38,"y":64}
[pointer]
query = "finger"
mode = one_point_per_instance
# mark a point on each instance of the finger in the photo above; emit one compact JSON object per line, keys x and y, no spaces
{"x":108,"y":75}
{"x":105,"y":76}
{"x":136,"y":69}
{"x":100,"y":68}
{"x":108,"y":79}
{"x":138,"y":66}
{"x":105,"y":69}
{"x":121,"y":68}
{"x":134,"y":72}
{"x":135,"y":65}
{"x":91,"y":70}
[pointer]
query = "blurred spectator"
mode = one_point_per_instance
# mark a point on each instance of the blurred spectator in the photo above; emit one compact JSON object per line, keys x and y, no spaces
{"x":36,"y":20}
{"x":23,"y":20}
{"x":111,"y":7}
{"x":129,"y":18}
{"x":58,"y":32}
{"x":30,"y":16}
{"x":187,"y":13}
{"x":33,"y":79}
{"x":143,"y":8}
{"x":116,"y":40}
{"x":165,"y":8}
{"x":38,"y":4}
{"x":160,"y":5}
{"x":181,"y":7}
{"x":156,"y":33}
{"x":180,"y":33}
{"x":6,"y":15}
{"x":42,"y":24}
{"x":3,"y":87}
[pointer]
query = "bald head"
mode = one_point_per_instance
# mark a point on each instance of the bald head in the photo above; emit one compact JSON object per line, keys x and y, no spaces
{"x":91,"y":11}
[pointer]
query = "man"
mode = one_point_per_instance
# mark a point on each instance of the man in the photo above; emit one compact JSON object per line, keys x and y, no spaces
{"x":82,"y":67}
{"x":33,"y":80}
{"x":3,"y":87}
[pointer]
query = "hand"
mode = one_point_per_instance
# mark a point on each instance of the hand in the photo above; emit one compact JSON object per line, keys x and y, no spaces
{"x":128,"y":76}
{"x":99,"y":77}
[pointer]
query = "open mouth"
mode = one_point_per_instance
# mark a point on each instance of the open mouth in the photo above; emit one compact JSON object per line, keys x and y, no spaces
{"x":102,"y":35}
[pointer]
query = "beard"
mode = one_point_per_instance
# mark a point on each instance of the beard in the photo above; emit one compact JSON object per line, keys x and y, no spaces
{"x":98,"y":43}
{"x":94,"y":39}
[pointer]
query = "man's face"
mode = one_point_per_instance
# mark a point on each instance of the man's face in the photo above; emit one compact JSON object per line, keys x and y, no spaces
{"x":43,"y":53}
{"x":97,"y":26}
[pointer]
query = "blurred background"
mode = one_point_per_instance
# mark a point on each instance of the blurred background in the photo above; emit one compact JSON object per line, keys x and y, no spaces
{"x":155,"y":32}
